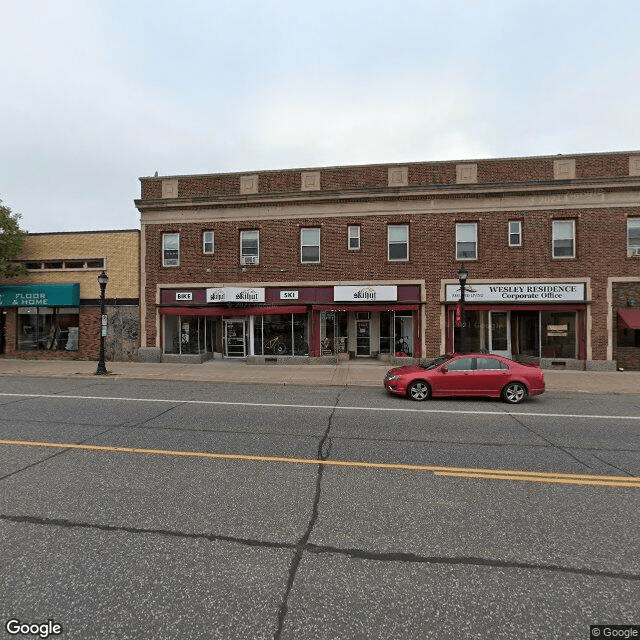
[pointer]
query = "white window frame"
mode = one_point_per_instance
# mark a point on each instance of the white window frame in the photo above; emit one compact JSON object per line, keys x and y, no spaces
{"x":632,"y":249}
{"x":518,"y":232}
{"x":573,"y":239}
{"x":245,"y":257}
{"x":459,"y":226}
{"x":206,"y":241}
{"x":353,"y":234}
{"x":397,"y":242}
{"x":172,"y":262}
{"x":306,"y":243}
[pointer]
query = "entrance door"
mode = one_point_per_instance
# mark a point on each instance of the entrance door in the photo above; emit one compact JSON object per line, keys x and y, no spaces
{"x":363,"y":336}
{"x":234,"y":339}
{"x":500,"y":333}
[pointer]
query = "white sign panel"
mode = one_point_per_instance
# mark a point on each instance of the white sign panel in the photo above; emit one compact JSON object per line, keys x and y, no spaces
{"x":235,"y":294}
{"x":288,"y":295}
{"x":365,"y":293}
{"x":521,"y":292}
{"x":184,"y":296}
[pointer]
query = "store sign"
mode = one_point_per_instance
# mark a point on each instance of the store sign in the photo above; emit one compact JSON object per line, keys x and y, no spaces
{"x":184,"y":296}
{"x":520,"y":292}
{"x":235,"y":294}
{"x":365,"y":293}
{"x":40,"y":295}
{"x":288,"y":295}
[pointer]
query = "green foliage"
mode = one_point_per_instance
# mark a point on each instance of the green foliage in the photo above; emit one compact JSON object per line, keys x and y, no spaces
{"x":11,"y":239}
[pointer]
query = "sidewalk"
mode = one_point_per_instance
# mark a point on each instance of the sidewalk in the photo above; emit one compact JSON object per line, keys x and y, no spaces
{"x":353,"y":373}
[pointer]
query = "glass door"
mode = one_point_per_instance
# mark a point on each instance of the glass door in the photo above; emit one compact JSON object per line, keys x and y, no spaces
{"x":500,"y":333}
{"x":234,"y":339}
{"x":363,"y":334}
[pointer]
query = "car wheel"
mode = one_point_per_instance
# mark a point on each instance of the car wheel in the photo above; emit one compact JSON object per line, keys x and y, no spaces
{"x":419,"y":390}
{"x":514,"y":393}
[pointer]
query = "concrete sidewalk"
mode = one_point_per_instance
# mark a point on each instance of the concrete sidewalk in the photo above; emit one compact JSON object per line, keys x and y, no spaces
{"x":356,"y":373}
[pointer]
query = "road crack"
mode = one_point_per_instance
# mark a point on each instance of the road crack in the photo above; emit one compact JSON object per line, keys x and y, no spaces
{"x":324,"y":449}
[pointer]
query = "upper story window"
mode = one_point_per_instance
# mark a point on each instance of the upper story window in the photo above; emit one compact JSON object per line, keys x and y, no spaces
{"x":564,"y":238}
{"x":398,"y":242}
{"x":354,"y":238}
{"x":170,"y":249}
{"x":75,"y":264}
{"x":207,"y":242}
{"x":515,"y":233}
{"x":250,"y":247}
{"x":310,"y":245}
{"x":467,"y":241}
{"x":633,"y":237}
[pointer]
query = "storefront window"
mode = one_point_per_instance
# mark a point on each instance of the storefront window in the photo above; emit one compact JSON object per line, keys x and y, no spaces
{"x":476,"y":333}
{"x":403,"y":326}
{"x":386,"y":331}
{"x":189,"y":334}
{"x":558,"y":335}
{"x":628,"y":338}
{"x":48,"y":328}
{"x":282,"y":335}
{"x":172,"y":334}
{"x":334,"y":332}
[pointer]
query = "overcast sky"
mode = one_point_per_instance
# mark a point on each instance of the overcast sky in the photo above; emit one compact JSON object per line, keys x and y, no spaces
{"x":97,"y":93}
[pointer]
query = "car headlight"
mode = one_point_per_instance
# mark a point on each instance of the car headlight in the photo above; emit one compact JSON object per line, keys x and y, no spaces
{"x":391,"y":377}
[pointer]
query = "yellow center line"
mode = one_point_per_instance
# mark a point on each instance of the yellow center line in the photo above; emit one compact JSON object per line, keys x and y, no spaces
{"x":457,"y":472}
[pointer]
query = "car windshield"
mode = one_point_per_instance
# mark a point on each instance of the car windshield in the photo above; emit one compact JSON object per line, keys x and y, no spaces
{"x":432,"y":364}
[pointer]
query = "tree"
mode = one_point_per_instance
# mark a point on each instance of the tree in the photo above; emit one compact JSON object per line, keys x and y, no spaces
{"x":11,"y":239}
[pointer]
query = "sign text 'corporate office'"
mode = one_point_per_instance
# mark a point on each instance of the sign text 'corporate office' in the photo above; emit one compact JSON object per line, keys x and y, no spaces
{"x":520,"y":292}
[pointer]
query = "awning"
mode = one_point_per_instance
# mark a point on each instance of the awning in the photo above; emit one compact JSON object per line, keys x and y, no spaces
{"x":629,"y":318}
{"x":40,"y":295}
{"x":231,"y":313}
{"x":336,"y":306}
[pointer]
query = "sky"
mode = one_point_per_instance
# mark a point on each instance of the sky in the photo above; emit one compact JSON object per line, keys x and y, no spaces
{"x":97,"y":93}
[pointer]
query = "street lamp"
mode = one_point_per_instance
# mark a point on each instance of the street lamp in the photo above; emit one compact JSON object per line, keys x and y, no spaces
{"x":462,"y":279}
{"x":103,"y":278}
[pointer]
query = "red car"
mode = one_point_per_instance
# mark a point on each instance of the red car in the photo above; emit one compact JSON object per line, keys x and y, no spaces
{"x":471,"y":374}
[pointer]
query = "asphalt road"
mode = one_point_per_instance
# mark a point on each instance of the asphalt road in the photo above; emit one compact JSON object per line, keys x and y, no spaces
{"x":158,"y":509}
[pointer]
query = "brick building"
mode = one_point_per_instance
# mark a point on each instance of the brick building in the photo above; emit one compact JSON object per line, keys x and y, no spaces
{"x":54,"y":311}
{"x":364,"y":261}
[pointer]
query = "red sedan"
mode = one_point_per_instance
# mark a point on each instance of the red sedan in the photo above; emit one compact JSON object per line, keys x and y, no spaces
{"x":472,"y":374}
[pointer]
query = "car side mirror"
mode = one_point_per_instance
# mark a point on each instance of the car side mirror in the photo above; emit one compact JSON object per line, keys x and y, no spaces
{"x":444,"y":368}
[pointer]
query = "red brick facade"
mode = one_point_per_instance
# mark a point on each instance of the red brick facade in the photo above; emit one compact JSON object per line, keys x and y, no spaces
{"x":603,"y":195}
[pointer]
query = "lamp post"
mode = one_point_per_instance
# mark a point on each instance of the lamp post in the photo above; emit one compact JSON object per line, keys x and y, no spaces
{"x":462,"y":279}
{"x":103,"y":278}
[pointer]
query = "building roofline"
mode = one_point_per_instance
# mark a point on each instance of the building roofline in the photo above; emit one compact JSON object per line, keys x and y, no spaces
{"x":391,"y":164}
{"x":77,"y":233}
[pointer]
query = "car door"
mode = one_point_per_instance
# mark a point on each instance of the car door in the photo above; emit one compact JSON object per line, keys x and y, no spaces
{"x":491,"y":375}
{"x":458,"y":380}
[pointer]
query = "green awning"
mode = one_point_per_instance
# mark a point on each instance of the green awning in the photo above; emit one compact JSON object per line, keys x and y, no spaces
{"x":40,"y":295}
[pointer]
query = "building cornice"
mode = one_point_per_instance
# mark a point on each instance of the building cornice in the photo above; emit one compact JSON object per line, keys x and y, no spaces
{"x":570,"y":195}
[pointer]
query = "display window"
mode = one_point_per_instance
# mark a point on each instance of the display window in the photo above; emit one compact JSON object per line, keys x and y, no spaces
{"x":48,"y":328}
{"x":334,"y":332}
{"x":282,"y":335}
{"x":396,"y":333}
{"x":189,"y":335}
{"x":558,"y":334}
{"x":546,"y":334}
